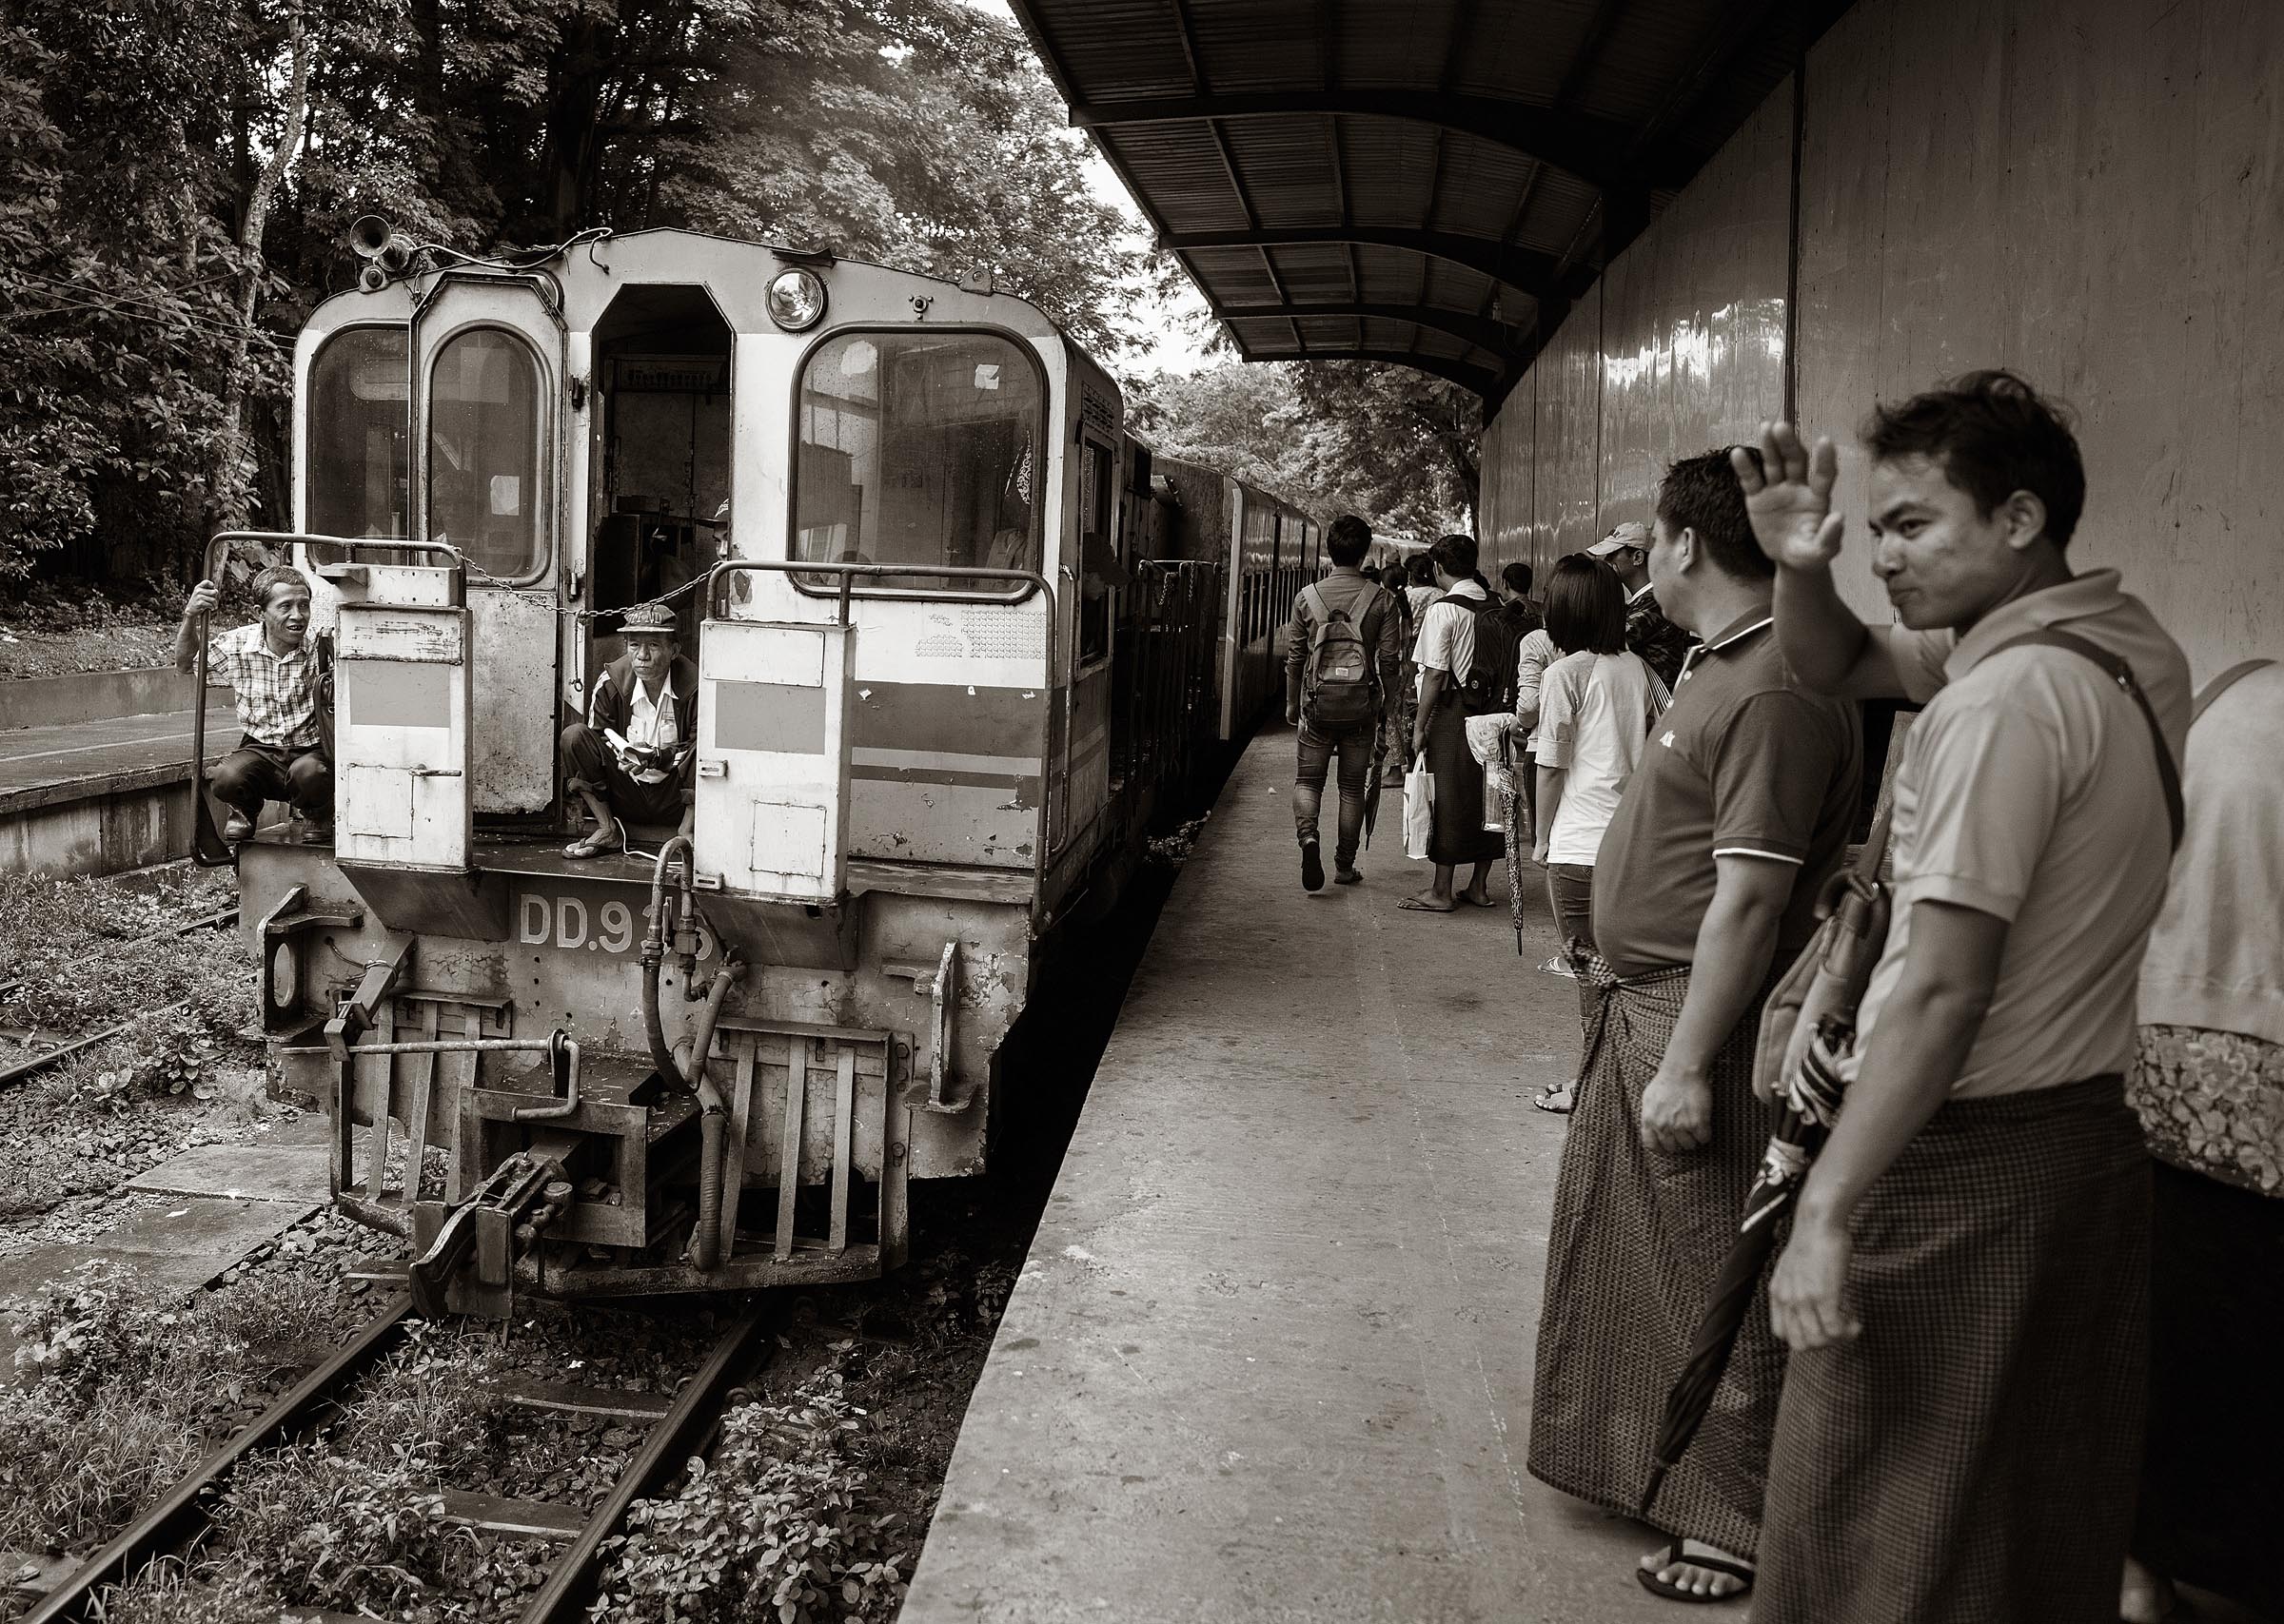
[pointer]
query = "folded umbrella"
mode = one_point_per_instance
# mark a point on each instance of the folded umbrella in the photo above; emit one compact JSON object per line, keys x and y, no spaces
{"x":1826,"y":990}
{"x":1518,"y":845}
{"x":1371,"y":784}
{"x":1803,"y":1122}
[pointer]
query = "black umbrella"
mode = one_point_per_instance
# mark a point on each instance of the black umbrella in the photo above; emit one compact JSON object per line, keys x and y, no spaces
{"x":1804,"y":1121}
{"x":1846,"y":947}
{"x":1371,"y":784}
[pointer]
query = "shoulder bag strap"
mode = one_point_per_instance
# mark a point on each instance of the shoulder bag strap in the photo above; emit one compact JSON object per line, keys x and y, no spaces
{"x":1314,"y":599}
{"x":2122,"y":674}
{"x":2223,"y":683}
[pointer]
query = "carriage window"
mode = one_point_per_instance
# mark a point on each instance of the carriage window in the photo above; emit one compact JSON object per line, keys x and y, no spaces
{"x":921,"y":449}
{"x":1094,"y":542}
{"x":486,"y":453}
{"x":360,"y":463}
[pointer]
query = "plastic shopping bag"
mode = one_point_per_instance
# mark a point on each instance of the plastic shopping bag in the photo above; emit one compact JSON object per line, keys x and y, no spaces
{"x":1419,"y":808}
{"x":1498,"y":789}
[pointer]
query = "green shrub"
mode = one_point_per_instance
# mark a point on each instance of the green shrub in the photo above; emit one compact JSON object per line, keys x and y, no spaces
{"x":772,"y":1530}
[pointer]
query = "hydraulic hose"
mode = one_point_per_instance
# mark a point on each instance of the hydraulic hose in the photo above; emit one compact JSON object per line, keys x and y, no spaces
{"x":706,"y":1241}
{"x":654,"y":953}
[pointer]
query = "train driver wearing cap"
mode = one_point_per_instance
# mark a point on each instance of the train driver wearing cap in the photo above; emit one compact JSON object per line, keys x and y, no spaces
{"x":632,"y":757}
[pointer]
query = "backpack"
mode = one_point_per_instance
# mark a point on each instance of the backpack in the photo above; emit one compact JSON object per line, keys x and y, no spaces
{"x":1490,"y":684}
{"x":1340,"y":686}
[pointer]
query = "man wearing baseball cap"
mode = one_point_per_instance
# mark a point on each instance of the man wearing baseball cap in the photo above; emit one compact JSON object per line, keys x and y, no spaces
{"x":631,"y":758}
{"x":1658,"y":640}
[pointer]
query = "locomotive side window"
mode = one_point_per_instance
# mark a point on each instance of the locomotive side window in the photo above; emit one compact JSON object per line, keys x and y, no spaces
{"x":923,"y":449}
{"x":486,"y":453}
{"x":360,"y":436}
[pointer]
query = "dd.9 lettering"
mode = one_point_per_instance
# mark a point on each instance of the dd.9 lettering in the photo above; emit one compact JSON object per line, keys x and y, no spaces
{"x":617,"y":931}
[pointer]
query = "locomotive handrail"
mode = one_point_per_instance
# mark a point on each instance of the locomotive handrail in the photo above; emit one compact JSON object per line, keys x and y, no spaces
{"x":353,"y":543}
{"x":848,"y":572}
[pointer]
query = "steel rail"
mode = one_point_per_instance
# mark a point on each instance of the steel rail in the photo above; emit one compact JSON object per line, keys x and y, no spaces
{"x":39,"y":1062}
{"x":676,"y":1435}
{"x":178,"y":1512}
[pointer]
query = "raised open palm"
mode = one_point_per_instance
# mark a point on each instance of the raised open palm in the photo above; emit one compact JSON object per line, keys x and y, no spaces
{"x":1788,"y":497}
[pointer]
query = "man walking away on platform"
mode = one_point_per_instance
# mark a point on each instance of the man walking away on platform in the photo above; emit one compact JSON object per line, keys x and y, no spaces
{"x":1706,"y":883}
{"x":1966,"y":1288}
{"x":1453,"y":686}
{"x":1648,"y":633}
{"x":1342,"y":663}
{"x":275,"y":669}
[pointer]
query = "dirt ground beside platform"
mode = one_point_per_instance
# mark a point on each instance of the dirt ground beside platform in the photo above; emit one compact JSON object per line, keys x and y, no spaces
{"x":58,"y":627}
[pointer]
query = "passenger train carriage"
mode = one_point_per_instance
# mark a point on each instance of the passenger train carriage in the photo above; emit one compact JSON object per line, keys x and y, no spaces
{"x":954,"y":636}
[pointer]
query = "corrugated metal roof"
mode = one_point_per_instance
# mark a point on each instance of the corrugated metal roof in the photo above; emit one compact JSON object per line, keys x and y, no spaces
{"x":1424,"y":181}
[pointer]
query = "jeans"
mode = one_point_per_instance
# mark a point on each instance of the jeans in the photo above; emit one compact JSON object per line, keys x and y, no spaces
{"x":256,"y":773}
{"x":1354,"y":745}
{"x":1570,"y":891}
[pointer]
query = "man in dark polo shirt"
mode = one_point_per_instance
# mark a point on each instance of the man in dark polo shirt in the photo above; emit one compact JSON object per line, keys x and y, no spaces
{"x":1705,"y":885}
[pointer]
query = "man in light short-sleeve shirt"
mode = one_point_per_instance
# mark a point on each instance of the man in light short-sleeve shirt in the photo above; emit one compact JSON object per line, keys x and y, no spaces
{"x":1965,"y":1286}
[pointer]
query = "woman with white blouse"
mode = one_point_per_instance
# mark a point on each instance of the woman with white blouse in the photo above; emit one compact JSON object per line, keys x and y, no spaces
{"x":1596,"y":705}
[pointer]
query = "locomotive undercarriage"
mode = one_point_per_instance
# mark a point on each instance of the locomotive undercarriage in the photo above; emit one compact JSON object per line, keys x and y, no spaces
{"x":480,"y":1047}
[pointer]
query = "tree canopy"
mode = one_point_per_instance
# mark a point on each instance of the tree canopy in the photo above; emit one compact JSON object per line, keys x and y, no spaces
{"x":1393,"y":444}
{"x":179,"y":176}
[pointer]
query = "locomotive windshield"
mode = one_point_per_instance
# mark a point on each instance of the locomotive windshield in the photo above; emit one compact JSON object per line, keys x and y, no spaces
{"x":920,"y":448}
{"x":486,"y":469}
{"x":360,"y":462}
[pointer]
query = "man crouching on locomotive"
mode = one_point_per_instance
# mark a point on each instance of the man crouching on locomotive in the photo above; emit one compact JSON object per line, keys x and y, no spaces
{"x":632,"y":757}
{"x":275,"y":669}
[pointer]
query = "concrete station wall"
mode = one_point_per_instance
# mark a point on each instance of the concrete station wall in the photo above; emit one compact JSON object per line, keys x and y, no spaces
{"x":2091,"y":194}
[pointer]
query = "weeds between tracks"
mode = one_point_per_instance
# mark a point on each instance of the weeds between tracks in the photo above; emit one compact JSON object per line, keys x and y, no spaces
{"x":818,"y":1496}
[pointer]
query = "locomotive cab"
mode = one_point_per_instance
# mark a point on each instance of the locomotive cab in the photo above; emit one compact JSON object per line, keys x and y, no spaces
{"x":949,"y":650}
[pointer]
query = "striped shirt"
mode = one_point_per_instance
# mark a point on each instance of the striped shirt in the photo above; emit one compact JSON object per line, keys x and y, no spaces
{"x":277,"y":693}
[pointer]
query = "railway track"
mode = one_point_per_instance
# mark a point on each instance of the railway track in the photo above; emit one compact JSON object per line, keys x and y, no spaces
{"x":678,"y":1426}
{"x":220,"y":919}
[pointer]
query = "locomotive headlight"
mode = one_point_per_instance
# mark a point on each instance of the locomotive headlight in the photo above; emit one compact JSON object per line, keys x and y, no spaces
{"x":797,"y":299}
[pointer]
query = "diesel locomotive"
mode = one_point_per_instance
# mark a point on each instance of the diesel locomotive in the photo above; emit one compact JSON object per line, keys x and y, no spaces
{"x":957,"y":636}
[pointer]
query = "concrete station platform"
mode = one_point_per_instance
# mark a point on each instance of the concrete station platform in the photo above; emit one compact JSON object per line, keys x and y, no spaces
{"x":1269,"y":1359}
{"x":96,"y":796}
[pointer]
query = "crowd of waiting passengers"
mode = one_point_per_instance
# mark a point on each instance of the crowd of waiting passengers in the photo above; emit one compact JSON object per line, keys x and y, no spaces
{"x":2021,"y":1334}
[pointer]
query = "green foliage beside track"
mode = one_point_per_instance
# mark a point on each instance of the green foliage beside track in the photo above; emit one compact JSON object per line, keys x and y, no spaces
{"x":176,"y":177}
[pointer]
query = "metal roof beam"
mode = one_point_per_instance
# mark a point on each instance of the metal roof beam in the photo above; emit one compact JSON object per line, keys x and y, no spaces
{"x":1593,"y":149}
{"x":1479,"y":379}
{"x":1494,"y":336}
{"x":1527,"y":270}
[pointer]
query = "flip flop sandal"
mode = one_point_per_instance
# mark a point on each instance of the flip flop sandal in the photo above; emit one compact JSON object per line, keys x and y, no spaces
{"x":1566,"y":1093}
{"x":1417,"y":906}
{"x":597,"y":844}
{"x":1674,"y":1554}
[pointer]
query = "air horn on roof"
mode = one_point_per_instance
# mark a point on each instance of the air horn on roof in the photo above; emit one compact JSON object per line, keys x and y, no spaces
{"x":387,"y":253}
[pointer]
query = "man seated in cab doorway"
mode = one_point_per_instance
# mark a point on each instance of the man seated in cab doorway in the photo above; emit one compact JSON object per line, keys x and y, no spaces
{"x":274,"y":669}
{"x":633,"y":756}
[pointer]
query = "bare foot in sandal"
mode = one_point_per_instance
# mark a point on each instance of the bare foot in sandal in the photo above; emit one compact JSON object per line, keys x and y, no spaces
{"x":1690,"y":1570}
{"x":1427,"y":902}
{"x":1557,"y":1098}
{"x":597,"y":842}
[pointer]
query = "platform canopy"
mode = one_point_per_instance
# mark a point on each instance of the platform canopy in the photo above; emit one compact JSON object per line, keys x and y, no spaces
{"x":1426,"y":181}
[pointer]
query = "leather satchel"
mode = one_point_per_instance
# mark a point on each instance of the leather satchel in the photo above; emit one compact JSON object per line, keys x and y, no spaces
{"x":1827,"y":981}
